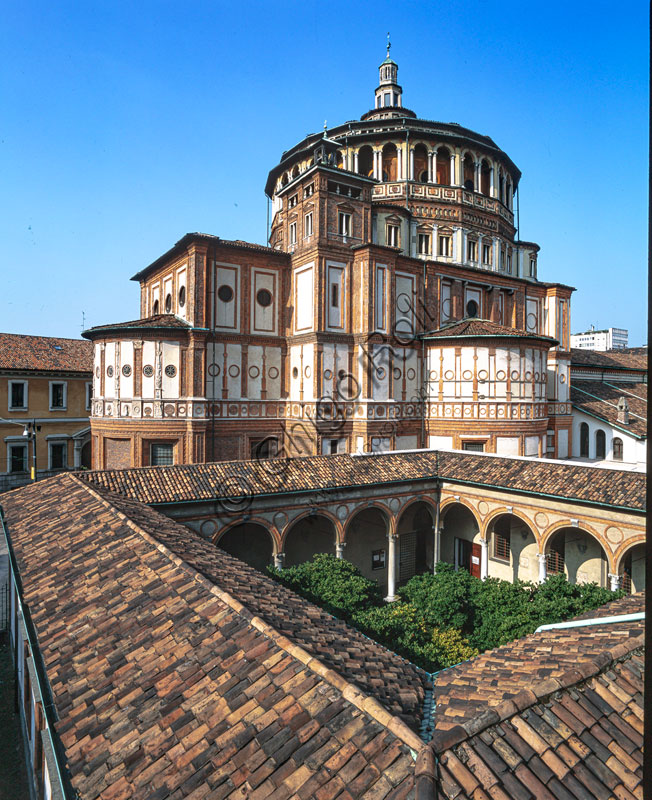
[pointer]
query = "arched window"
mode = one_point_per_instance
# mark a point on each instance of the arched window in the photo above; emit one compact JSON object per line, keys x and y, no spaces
{"x":584,"y":440}
{"x":366,"y":161}
{"x":443,"y":166}
{"x":390,"y":159}
{"x":339,"y":160}
{"x":420,"y":164}
{"x":617,"y":445}
{"x":155,"y":308}
{"x":295,"y":171}
{"x":469,"y":170}
{"x":485,"y":177}
{"x":600,"y":444}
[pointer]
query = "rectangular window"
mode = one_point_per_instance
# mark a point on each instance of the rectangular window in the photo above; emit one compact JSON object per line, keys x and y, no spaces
{"x":293,"y":201}
{"x":58,"y":455}
{"x":476,"y":447}
{"x":161,"y":453}
{"x":89,"y":396}
{"x":444,"y":245}
{"x":386,"y":99}
{"x":17,"y":458}
{"x":472,"y":251}
{"x":57,"y":396}
{"x":377,"y":559}
{"x":17,"y":395}
{"x":501,"y":265}
{"x":293,"y":233}
{"x":392,"y":235}
{"x":309,"y":190}
{"x":307,"y":224}
{"x":532,"y":267}
{"x":424,"y":244}
{"x":501,"y":545}
{"x":486,"y":254}
{"x":263,"y":448}
{"x":344,"y":224}
{"x":509,"y":261}
{"x":335,"y":295}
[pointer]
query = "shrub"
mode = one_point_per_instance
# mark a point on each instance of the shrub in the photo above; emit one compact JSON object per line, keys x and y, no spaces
{"x":442,"y":598}
{"x":333,"y":583}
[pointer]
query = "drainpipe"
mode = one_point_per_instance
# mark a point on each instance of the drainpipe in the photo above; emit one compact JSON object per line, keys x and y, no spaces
{"x":577,"y":623}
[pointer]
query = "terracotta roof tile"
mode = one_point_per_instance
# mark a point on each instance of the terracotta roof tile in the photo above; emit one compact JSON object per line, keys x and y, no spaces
{"x":474,"y":327}
{"x":181,"y":671}
{"x":45,"y":354}
{"x":626,"y":358}
{"x":156,"y":322}
{"x":330,"y":474}
{"x":600,"y":399}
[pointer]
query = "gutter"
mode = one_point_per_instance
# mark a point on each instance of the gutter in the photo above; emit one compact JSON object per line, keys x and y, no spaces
{"x":578,"y":623}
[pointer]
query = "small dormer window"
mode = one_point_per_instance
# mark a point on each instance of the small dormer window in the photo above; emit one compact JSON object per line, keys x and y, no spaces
{"x":392,"y":234}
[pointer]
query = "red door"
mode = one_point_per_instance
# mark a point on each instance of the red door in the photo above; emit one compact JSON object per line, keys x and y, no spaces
{"x":469,"y":555}
{"x":476,"y":552}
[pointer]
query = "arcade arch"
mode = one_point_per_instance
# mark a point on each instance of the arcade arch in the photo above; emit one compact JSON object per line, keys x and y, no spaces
{"x":631,"y":569}
{"x":512,"y":548}
{"x":444,"y":166}
{"x":311,"y":534}
{"x":415,"y":531}
{"x":390,"y":159}
{"x":469,"y":172}
{"x":577,"y":554}
{"x":367,"y":545}
{"x":420,"y":155}
{"x":460,"y":538}
{"x":366,"y":161}
{"x":250,"y":542}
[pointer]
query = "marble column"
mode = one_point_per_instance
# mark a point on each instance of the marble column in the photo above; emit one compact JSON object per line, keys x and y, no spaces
{"x":339,"y":549}
{"x":543,"y":572}
{"x":391,"y":568}
{"x":484,"y":559}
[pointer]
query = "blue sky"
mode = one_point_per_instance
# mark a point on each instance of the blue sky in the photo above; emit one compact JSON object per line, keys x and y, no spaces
{"x":125,"y":125}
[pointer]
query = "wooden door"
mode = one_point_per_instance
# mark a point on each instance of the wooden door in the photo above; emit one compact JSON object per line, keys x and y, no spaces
{"x":476,"y":555}
{"x":469,"y":555}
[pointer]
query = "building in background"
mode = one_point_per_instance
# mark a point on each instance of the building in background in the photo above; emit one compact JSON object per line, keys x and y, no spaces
{"x":607,"y":339}
{"x":396,"y":308}
{"x":45,"y":383}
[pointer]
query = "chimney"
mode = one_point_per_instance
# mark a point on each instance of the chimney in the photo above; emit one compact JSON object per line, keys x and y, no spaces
{"x":623,"y":411}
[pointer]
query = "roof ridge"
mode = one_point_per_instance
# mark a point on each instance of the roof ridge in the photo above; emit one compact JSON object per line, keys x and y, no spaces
{"x":525,"y":698}
{"x":364,"y":702}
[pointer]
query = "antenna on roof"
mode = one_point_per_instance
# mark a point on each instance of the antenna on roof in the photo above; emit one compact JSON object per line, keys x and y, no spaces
{"x":83,"y":325}
{"x":389,"y":44}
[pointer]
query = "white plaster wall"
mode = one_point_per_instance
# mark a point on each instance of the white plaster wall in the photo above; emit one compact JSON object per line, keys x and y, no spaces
{"x":149,"y":358}
{"x":304,"y":298}
{"x":380,"y":371}
{"x":97,"y":366}
{"x":127,"y":358}
{"x":562,"y":444}
{"x":170,"y":356}
{"x":109,"y":361}
{"x":406,"y":442}
{"x":440,"y":442}
{"x":227,"y":314}
{"x":507,"y":445}
{"x":233,"y":369}
{"x":181,"y":281}
{"x":532,"y":445}
{"x":634,"y":450}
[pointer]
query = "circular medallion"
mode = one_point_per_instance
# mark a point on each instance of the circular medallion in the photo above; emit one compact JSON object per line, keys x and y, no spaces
{"x":280,"y":520}
{"x":254,"y":372}
{"x":225,"y":293}
{"x":272,"y":373}
{"x":501,"y":375}
{"x":411,"y":374}
{"x":147,"y":411}
{"x":449,"y":375}
{"x":148,"y":370}
{"x":562,"y":379}
{"x":234,"y":370}
{"x":483,"y":507}
{"x":109,"y":371}
{"x":394,"y":504}
{"x":541,"y":520}
{"x":467,"y":374}
{"x":531,"y":322}
{"x":615,"y":535}
{"x":264,"y":298}
{"x":380,"y":372}
{"x":168,"y":409}
{"x":342,"y":512}
{"x":328,"y":374}
{"x":126,"y":370}
{"x":136,"y":410}
{"x":213,"y":370}
{"x":307,"y":372}
{"x":207,"y":528}
{"x":97,"y":372}
{"x":171,"y":371}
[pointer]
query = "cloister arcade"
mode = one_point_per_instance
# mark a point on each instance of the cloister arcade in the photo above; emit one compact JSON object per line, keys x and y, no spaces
{"x":390,"y":538}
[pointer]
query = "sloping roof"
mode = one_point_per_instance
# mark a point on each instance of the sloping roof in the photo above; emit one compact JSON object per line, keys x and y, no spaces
{"x":165,"y":682}
{"x":475,"y":327}
{"x":625,"y":358}
{"x":465,"y":691}
{"x":600,"y":399}
{"x":156,"y":322}
{"x":195,"y":482}
{"x":45,"y":353}
{"x":207,"y":238}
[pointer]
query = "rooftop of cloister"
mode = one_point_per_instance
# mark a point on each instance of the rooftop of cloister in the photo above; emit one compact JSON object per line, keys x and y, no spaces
{"x":600,"y":399}
{"x":324,"y":474}
{"x":173,"y":666}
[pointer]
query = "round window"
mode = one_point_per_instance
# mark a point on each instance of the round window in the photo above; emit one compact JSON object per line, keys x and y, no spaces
{"x":170,"y":370}
{"x":182,"y":297}
{"x":264,"y":298}
{"x":126,"y":370}
{"x":155,"y":308}
{"x":109,"y":371}
{"x":148,"y":370}
{"x":295,"y":372}
{"x":471,"y":309}
{"x":225,"y":293}
{"x":168,"y":303}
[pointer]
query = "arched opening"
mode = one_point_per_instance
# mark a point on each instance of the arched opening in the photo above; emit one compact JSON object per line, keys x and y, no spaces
{"x":617,"y":448}
{"x":485,"y":177}
{"x":501,"y":187}
{"x":512,"y":549}
{"x":508,"y":194}
{"x":155,"y":308}
{"x":578,"y":555}
{"x":600,"y":444}
{"x":460,"y":539}
{"x":390,"y":159}
{"x":366,"y":161}
{"x":339,"y":160}
{"x":249,"y":542}
{"x":415,"y":541}
{"x":284,"y":179}
{"x":444,"y":166}
{"x":295,"y":171}
{"x":307,"y":537}
{"x":367,"y":546}
{"x":632,"y":569}
{"x":469,"y":170}
{"x":420,"y":164}
{"x":86,"y":455}
{"x":584,"y":440}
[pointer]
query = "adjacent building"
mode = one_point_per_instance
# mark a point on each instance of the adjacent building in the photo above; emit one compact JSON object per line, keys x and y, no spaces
{"x":396,"y":307}
{"x":45,"y":401}
{"x":607,"y":339}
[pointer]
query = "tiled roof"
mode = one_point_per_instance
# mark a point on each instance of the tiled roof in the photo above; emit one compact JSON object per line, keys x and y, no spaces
{"x":576,"y":737}
{"x":600,"y":398}
{"x":463,"y":692}
{"x":158,"y":322}
{"x":626,"y":358}
{"x":474,"y":327}
{"x":166,"y":685}
{"x":45,"y":353}
{"x":186,"y":483}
